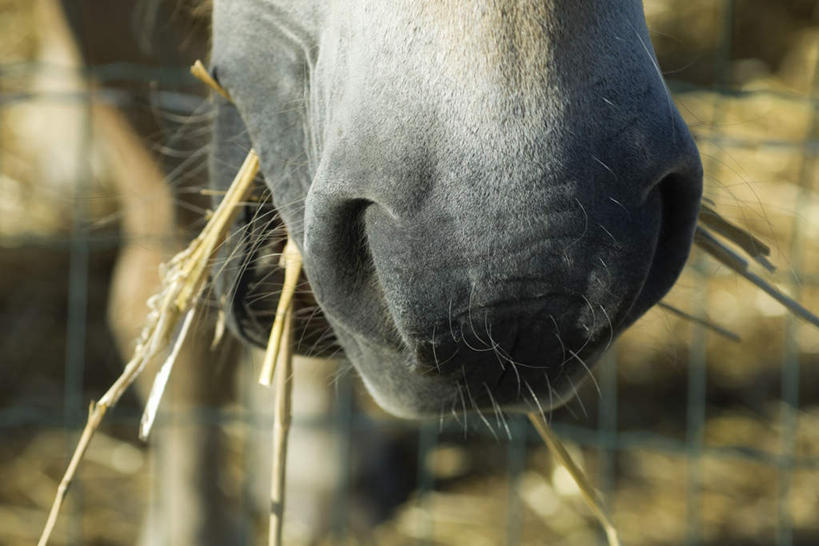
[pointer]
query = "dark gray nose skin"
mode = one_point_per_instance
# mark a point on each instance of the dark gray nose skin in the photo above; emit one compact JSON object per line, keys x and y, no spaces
{"x":533,"y":266}
{"x":484,"y":201}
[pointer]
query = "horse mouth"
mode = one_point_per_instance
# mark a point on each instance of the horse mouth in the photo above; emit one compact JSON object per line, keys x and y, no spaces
{"x":252,"y":280}
{"x":523,"y":367}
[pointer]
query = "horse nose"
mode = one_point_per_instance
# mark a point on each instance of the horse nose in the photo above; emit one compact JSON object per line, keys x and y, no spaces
{"x":403,"y":230}
{"x":611,"y":218}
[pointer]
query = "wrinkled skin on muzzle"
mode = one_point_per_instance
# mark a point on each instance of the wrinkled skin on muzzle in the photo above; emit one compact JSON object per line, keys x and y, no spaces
{"x":486,"y":192}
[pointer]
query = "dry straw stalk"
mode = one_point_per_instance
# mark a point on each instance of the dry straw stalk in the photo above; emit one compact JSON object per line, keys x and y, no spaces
{"x":281,"y":428}
{"x":291,"y":262}
{"x":723,"y":254}
{"x":589,"y":494}
{"x":183,"y":280}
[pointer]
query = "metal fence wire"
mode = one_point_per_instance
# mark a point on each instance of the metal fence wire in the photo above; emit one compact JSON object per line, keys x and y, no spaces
{"x":690,"y":438}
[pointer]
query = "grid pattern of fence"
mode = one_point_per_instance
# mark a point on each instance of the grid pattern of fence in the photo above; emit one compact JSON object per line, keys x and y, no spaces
{"x":601,"y":436}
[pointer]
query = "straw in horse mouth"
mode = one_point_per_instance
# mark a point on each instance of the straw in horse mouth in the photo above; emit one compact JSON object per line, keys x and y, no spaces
{"x":173,"y":309}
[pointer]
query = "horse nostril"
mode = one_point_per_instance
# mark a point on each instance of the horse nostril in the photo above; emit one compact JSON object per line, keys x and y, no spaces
{"x":679,"y":197}
{"x":339,"y":262}
{"x":354,"y":245}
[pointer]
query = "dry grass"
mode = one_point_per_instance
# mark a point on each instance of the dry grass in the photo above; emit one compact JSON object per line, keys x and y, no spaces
{"x":171,"y":313}
{"x":183,"y":281}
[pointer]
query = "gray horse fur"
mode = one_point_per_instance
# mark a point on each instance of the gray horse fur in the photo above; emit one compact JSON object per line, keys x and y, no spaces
{"x":486,"y":192}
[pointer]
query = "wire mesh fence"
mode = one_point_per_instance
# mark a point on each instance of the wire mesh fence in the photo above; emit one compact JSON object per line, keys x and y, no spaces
{"x":692,"y":439}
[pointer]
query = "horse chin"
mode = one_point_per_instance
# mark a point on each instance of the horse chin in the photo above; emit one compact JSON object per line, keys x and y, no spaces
{"x":408,"y":388}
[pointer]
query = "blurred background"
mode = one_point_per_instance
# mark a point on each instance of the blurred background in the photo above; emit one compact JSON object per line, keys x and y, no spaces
{"x":690,"y":437}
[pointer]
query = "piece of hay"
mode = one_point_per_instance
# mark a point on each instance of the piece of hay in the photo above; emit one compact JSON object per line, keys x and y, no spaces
{"x":281,"y":429}
{"x":291,"y":261}
{"x":755,"y":248}
{"x":183,"y":280}
{"x":161,"y":381}
{"x":201,"y":73}
{"x":701,"y":321}
{"x":710,"y":244}
{"x":589,"y":494}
